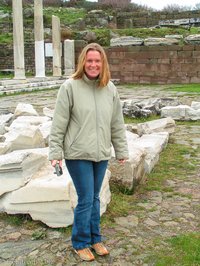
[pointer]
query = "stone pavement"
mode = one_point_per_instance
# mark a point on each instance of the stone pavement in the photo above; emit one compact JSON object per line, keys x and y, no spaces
{"x":159,"y":215}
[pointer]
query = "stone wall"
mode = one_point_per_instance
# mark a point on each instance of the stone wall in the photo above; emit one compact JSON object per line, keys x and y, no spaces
{"x":133,"y":64}
{"x":149,"y":19}
{"x":155,"y":64}
{"x":116,"y":3}
{"x":7,"y":62}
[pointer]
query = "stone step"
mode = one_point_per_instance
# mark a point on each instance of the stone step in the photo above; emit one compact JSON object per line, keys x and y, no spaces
{"x":28,"y":89}
{"x":5,"y":82}
{"x":33,"y":84}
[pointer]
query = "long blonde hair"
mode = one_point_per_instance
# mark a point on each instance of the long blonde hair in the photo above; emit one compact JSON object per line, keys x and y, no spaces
{"x":104,"y":76}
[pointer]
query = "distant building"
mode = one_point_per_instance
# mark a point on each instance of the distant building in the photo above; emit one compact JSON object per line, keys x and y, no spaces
{"x":116,"y":3}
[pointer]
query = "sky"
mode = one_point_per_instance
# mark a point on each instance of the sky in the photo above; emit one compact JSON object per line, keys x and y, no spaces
{"x":159,"y":4}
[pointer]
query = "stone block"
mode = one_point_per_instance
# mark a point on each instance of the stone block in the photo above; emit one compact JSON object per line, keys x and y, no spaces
{"x":160,"y":125}
{"x":181,"y":112}
{"x":25,"y":109}
{"x":126,"y":41}
{"x":195,"y":105}
{"x":4,"y":121}
{"x":160,"y":41}
{"x":17,"y":168}
{"x":49,"y":198}
{"x":132,"y":172}
{"x":24,"y":138}
{"x":153,"y":144}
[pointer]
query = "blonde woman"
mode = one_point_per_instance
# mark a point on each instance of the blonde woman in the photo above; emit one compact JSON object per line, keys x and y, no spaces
{"x":87,"y":120}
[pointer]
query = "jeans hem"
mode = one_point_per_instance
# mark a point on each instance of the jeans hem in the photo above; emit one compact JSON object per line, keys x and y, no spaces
{"x":79,"y":248}
{"x":95,"y":242}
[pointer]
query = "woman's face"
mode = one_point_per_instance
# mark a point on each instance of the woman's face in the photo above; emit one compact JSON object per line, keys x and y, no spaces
{"x":93,"y":64}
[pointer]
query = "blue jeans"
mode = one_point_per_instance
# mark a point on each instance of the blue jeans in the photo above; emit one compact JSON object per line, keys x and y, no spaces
{"x":87,"y":177}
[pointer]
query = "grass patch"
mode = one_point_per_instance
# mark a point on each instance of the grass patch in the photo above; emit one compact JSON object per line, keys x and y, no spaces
{"x":67,"y":16}
{"x":189,"y":123}
{"x":182,"y":250}
{"x":15,"y":220}
{"x":65,"y":230}
{"x":6,"y":76}
{"x":135,"y":86}
{"x":145,"y":32}
{"x":190,"y":88}
{"x":172,"y":165}
{"x":103,"y":36}
{"x":6,"y":38}
{"x":120,"y":205}
{"x":19,"y":220}
{"x":38,"y":235}
{"x":136,"y":120}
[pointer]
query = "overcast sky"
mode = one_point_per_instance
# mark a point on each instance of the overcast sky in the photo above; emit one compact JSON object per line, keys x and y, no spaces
{"x":159,"y":4}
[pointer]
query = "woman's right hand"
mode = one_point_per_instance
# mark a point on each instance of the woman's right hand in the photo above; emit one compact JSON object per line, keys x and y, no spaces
{"x":54,"y":162}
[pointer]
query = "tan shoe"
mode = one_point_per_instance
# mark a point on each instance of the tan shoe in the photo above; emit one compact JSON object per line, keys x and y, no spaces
{"x":85,"y":254}
{"x":100,"y":249}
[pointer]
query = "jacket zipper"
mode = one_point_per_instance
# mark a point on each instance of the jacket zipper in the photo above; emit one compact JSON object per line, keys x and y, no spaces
{"x":97,"y":132}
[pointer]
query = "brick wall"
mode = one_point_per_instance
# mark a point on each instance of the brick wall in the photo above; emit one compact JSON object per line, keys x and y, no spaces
{"x":7,"y":61}
{"x":133,"y":64}
{"x":155,"y":64}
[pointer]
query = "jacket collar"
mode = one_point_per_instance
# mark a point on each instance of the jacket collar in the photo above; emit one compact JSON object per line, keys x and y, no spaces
{"x":91,"y":82}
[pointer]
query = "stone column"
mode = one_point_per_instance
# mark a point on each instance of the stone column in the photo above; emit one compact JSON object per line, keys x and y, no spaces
{"x":69,"y":57}
{"x":39,"y":39}
{"x":18,"y":40}
{"x":56,"y":39}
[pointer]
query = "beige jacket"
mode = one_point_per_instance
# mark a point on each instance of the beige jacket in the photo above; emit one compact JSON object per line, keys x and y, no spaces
{"x":87,"y":119}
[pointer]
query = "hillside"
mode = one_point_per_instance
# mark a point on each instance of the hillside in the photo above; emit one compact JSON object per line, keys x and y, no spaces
{"x":80,"y":23}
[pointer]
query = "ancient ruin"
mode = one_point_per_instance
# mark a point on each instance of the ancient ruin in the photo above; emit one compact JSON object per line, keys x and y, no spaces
{"x":29,"y":184}
{"x":18,"y":40}
{"x":39,"y":39}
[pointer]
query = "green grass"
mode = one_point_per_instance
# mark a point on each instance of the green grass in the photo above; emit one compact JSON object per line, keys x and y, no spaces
{"x":15,"y":220}
{"x":182,"y":250}
{"x":172,"y":164}
{"x":189,"y":123}
{"x":6,"y":9}
{"x":114,"y":208}
{"x":67,"y":15}
{"x":146,"y":32}
{"x":6,"y":38}
{"x":103,"y":36}
{"x":131,"y":120}
{"x":190,"y":88}
{"x":6,"y":76}
{"x":138,"y":86}
{"x":37,"y":235}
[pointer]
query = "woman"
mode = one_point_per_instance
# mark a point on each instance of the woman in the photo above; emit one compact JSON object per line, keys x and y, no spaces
{"x":87,"y":119}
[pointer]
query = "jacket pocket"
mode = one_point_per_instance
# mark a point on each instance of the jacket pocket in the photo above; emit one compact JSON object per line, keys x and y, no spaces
{"x":71,"y":134}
